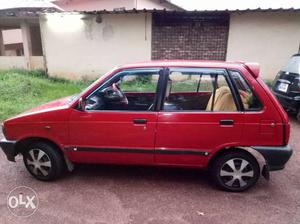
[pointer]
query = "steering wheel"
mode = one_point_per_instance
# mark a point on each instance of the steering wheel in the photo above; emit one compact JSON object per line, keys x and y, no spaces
{"x":119,"y":92}
{"x":115,"y":93}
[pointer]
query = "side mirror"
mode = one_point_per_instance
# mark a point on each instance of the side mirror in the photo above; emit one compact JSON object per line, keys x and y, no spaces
{"x":82,"y":104}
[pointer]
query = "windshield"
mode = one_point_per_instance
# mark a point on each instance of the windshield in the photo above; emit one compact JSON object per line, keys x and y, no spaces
{"x":75,"y":97}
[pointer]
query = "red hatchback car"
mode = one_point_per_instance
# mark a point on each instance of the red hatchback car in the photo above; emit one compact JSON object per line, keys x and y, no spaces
{"x":197,"y":114}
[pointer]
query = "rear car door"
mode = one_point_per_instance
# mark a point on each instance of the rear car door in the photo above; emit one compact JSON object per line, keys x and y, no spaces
{"x":198,"y":116}
{"x":263,"y":122}
{"x":115,"y":130}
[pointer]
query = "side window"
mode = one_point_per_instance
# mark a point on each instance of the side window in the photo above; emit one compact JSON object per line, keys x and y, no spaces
{"x":131,"y":90}
{"x":249,"y":99}
{"x":198,"y":89}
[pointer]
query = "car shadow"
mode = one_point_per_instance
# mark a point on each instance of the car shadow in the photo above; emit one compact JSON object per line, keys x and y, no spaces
{"x":141,"y":174}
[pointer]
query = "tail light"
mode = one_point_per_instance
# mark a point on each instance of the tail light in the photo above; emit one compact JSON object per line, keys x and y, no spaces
{"x":286,"y":133}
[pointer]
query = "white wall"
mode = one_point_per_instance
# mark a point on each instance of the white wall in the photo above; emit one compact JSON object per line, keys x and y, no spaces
{"x":77,"y":47}
{"x":12,"y":62}
{"x":13,"y":36}
{"x":36,"y":62}
{"x":267,"y":38}
{"x":19,"y":62}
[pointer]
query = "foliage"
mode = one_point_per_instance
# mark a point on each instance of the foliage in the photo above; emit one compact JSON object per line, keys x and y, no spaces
{"x":21,"y":90}
{"x":269,"y":83}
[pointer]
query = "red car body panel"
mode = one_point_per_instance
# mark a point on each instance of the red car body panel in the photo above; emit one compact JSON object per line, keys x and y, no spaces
{"x":195,"y":131}
{"x":198,"y":132}
{"x":112,"y":130}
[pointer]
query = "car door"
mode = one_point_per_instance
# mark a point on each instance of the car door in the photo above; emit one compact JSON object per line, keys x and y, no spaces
{"x":117,"y":130}
{"x":199,"y":115}
{"x":263,"y":125}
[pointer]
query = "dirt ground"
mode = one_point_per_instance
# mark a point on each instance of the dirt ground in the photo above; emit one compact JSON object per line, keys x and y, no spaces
{"x":114,"y":194}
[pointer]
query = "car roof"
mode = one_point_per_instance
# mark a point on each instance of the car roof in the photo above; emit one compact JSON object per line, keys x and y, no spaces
{"x":185,"y":63}
{"x":254,"y":67}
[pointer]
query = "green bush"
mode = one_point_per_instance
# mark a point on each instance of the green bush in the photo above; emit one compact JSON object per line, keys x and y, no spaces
{"x":269,"y":83}
{"x":21,"y":90}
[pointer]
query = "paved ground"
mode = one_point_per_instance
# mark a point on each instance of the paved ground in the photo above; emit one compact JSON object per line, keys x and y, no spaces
{"x":113,"y":194}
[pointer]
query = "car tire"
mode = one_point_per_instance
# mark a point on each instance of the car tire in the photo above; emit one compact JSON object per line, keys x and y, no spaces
{"x":43,"y":161}
{"x":235,"y":171}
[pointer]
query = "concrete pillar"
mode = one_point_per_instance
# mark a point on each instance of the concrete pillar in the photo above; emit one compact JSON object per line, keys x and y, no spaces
{"x":27,"y":46}
{"x":2,"y":48}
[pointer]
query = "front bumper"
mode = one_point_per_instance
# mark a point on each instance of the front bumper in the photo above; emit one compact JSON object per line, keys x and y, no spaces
{"x":9,"y":148}
{"x":275,"y":156}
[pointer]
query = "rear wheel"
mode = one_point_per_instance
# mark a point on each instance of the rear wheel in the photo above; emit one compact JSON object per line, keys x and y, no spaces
{"x":235,"y":171}
{"x":43,"y":161}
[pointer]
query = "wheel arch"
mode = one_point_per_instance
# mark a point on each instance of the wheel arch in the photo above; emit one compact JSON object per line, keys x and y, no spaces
{"x":250,"y":151}
{"x":22,"y":144}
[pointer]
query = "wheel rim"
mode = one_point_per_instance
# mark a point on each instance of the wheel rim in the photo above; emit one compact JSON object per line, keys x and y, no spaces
{"x":38,"y":162}
{"x":236,"y":173}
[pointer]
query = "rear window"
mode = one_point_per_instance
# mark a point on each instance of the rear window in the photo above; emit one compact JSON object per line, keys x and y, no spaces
{"x":249,"y":99}
{"x":293,"y":65}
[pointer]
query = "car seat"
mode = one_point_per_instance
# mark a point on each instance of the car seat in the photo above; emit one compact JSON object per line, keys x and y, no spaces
{"x":223,"y":100}
{"x":245,"y":97}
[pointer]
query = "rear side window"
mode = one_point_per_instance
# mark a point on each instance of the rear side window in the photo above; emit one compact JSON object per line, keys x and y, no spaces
{"x":198,"y":90}
{"x":249,"y":99}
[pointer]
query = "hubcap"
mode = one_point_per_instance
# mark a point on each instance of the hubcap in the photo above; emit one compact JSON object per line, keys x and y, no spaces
{"x":38,"y":162}
{"x":236,"y":173}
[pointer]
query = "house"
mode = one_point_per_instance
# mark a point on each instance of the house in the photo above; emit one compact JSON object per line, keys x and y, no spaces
{"x":12,"y":42}
{"x":91,"y":43}
{"x":86,"y":44}
{"x":20,"y":38}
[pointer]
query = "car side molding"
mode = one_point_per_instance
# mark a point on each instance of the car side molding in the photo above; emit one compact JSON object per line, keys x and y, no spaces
{"x":134,"y":150}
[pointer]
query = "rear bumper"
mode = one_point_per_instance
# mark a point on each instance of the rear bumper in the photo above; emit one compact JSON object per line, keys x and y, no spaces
{"x":275,"y":156}
{"x":288,"y":102}
{"x":9,"y":148}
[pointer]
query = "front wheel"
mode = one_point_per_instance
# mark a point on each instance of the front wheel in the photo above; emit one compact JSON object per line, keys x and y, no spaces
{"x":235,"y":171}
{"x":43,"y":161}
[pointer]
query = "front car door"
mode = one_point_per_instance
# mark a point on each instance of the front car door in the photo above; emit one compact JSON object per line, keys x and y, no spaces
{"x":118,"y":124}
{"x":199,"y":115}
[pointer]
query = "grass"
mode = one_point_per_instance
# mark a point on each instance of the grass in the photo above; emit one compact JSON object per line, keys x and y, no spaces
{"x":21,"y":90}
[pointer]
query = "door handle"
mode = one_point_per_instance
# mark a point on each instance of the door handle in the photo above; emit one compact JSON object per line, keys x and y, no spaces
{"x":226,"y":122}
{"x":140,"y":121}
